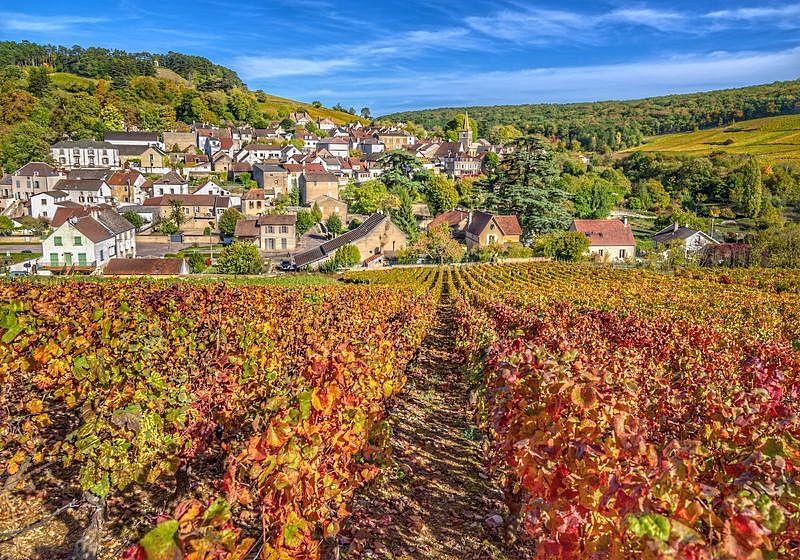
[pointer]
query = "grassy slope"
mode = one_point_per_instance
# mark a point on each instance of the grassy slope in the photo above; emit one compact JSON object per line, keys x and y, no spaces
{"x":773,"y":139}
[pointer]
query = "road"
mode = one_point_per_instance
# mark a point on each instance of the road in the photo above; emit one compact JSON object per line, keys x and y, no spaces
{"x":19,"y":247}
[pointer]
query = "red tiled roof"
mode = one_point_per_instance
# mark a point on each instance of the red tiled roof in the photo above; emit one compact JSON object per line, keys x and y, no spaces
{"x":509,"y":225}
{"x":144,"y":267}
{"x":246,"y":228}
{"x":451,"y":218}
{"x":126,"y":177}
{"x":605,"y":232}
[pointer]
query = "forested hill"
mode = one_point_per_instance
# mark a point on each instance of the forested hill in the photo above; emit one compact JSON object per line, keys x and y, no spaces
{"x":49,"y":93}
{"x":118,"y":66}
{"x":616,"y":125}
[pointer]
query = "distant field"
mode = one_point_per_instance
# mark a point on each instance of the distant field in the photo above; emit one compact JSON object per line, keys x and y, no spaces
{"x":72,"y":82}
{"x":275,"y":104}
{"x":773,"y":139}
{"x":167,"y":74}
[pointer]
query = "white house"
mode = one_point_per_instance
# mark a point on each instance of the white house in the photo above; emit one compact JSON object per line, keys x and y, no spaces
{"x":84,"y":153}
{"x":369,"y":146}
{"x":256,"y":153}
{"x":86,"y":191}
{"x":170,"y":183}
{"x":691,"y":240}
{"x":210,"y":187}
{"x":84,"y":239}
{"x":337,"y":147}
{"x":44,"y":205}
{"x":610,"y":240}
{"x":122,"y":138}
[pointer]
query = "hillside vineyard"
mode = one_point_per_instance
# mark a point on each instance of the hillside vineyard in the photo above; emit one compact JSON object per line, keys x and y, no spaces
{"x":626,"y":414}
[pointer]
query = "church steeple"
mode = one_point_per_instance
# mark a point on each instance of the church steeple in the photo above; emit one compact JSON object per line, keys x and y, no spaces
{"x":465,"y":135}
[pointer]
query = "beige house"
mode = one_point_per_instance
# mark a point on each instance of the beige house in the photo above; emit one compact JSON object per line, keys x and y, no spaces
{"x":182,"y":140}
{"x":271,"y":176}
{"x":487,"y":229}
{"x":272,"y":233}
{"x":194,"y":206}
{"x":330,"y":206}
{"x":33,"y":178}
{"x":315,"y":185}
{"x":376,"y":236}
{"x":609,"y":240}
{"x":257,"y":202}
{"x":395,"y":140}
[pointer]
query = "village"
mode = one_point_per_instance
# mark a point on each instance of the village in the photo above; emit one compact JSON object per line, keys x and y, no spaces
{"x":143,"y":203}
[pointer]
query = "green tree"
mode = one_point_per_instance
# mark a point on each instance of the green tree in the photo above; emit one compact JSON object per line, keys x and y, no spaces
{"x":403,"y":216}
{"x":240,"y":257}
{"x":334,"y":225}
{"x":748,"y":193}
{"x":437,"y":245}
{"x":26,"y":141}
{"x":305,"y":221}
{"x":440,"y":193}
{"x":111,"y":118}
{"x":562,"y":245}
{"x":402,"y":171}
{"x":6,"y":225}
{"x":38,"y":81}
{"x":227,"y":222}
{"x":368,"y":197}
{"x":176,"y":214}
{"x":777,"y":247}
{"x":347,"y":256}
{"x":593,"y":196}
{"x":197,"y":263}
{"x":527,"y":184}
{"x":133,"y":218}
{"x":456,"y":124}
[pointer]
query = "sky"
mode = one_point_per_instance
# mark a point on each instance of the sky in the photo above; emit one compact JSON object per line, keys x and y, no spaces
{"x":399,"y":55}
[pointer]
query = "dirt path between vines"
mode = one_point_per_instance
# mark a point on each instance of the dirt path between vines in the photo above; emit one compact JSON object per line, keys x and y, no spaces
{"x":438,"y":501}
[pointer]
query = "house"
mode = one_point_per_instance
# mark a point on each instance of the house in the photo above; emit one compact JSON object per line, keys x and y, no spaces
{"x":210,"y":187}
{"x":195,"y":206}
{"x":179,"y":141}
{"x":337,"y":147}
{"x":693,"y":241}
{"x":147,"y":266}
{"x":31,"y":178}
{"x":126,"y":186}
{"x":485,"y":229}
{"x":271,"y":233}
{"x":315,"y":185}
{"x":84,"y":153}
{"x":255,"y":153}
{"x":84,"y":239}
{"x":221,"y":161}
{"x":608,"y":239}
{"x":85,"y":191}
{"x":256,"y":202}
{"x":271,"y":176}
{"x":395,"y":139}
{"x":6,"y":188}
{"x":170,"y":183}
{"x":370,"y":145}
{"x":330,"y":206}
{"x":44,"y":205}
{"x":300,"y":118}
{"x":325,"y":124}
{"x":146,"y":158}
{"x":123,"y":138}
{"x":376,"y":235}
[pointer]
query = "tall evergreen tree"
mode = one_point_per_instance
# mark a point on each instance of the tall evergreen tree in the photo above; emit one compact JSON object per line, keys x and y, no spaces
{"x":38,"y":81}
{"x":527,"y":184}
{"x":403,"y":215}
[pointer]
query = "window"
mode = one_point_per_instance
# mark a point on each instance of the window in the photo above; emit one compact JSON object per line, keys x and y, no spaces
{"x":102,"y":255}
{"x":284,"y":229}
{"x":600,"y":252}
{"x":270,"y":244}
{"x":53,"y":259}
{"x":270,"y":229}
{"x":81,"y":259}
{"x":44,"y":202}
{"x":284,"y":243}
{"x":78,"y":240}
{"x":622,"y":253}
{"x":57,"y":241}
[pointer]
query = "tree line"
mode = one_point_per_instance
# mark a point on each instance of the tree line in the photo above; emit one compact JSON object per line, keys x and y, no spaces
{"x":616,"y":125}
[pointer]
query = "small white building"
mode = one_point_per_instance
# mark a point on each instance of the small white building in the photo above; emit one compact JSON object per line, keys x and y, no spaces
{"x":85,"y":239}
{"x":86,"y":191}
{"x":691,"y":240}
{"x":337,"y":147}
{"x":170,"y":183}
{"x":44,"y":205}
{"x":84,"y":153}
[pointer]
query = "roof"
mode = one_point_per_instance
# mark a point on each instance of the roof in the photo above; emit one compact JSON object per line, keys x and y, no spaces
{"x":270,"y":168}
{"x":335,"y":141}
{"x":452,"y":218}
{"x":319,"y":253}
{"x":277,"y":220}
{"x":320,"y":177}
{"x":51,"y":194}
{"x":143,"y":137}
{"x":135,"y":149}
{"x":84,"y":144}
{"x":150,"y":266}
{"x":246,"y":228}
{"x":92,"y":229}
{"x":79,"y":184}
{"x":675,"y":232}
{"x":605,"y":232}
{"x":114,"y":221}
{"x":126,"y":177}
{"x":171,"y":178}
{"x":101,"y":173}
{"x":36,"y":168}
{"x":508,"y":224}
{"x":263,"y":147}
{"x":189,"y":200}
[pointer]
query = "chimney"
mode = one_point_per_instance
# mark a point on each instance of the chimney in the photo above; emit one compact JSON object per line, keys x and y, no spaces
{"x":469,"y":218}
{"x":675,"y":226}
{"x":625,"y":221}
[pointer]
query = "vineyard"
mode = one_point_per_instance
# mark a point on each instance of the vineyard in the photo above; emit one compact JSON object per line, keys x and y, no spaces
{"x":623,"y":413}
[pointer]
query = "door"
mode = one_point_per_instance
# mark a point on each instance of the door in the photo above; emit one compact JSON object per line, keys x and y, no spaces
{"x":81,"y":259}
{"x":67,"y":259}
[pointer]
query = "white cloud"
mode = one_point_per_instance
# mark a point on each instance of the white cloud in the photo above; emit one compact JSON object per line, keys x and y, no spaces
{"x":648,"y":17}
{"x":265,"y":67}
{"x":43,"y":24}
{"x":682,"y":74}
{"x":532,"y":25}
{"x":758,"y":13}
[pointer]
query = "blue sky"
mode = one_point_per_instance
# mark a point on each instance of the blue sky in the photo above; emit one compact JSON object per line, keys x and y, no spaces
{"x":395,"y":55}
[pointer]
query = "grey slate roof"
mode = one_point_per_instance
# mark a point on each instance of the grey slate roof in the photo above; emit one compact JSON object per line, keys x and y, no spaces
{"x":329,"y":247}
{"x":84,"y":144}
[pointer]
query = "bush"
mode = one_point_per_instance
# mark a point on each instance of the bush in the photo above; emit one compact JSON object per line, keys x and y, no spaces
{"x":239,"y":257}
{"x":345,"y":257}
{"x":563,"y":246}
{"x":197,"y":263}
{"x":517,"y":251}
